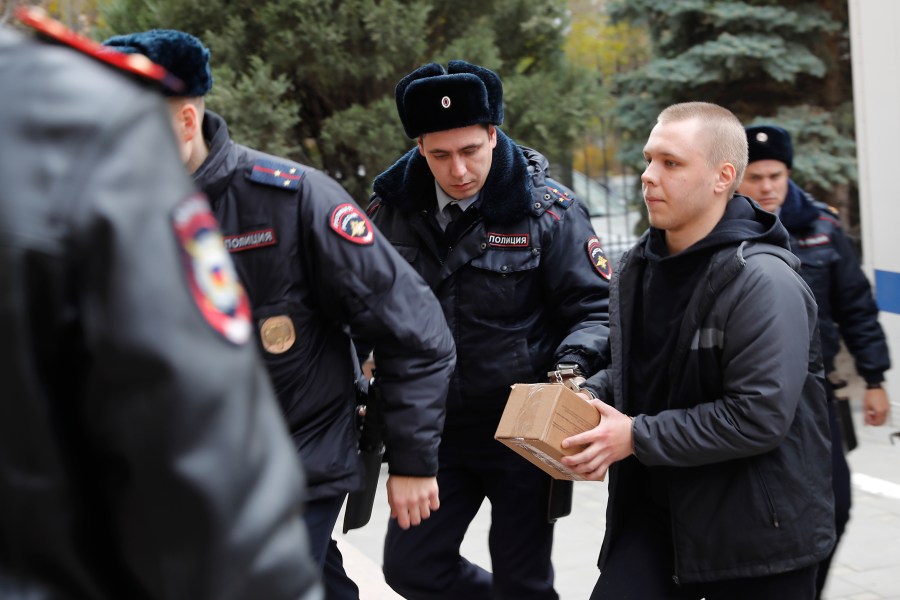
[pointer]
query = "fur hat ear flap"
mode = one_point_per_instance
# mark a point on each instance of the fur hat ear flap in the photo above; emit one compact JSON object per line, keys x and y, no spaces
{"x":431,"y":99}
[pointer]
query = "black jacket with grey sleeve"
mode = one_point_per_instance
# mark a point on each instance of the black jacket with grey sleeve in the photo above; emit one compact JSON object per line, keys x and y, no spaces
{"x":743,"y":435}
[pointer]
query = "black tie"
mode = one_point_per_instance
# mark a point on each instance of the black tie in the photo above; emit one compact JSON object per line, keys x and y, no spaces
{"x":454,"y":227}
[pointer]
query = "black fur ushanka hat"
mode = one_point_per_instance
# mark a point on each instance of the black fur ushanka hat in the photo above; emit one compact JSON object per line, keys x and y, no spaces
{"x":433,"y":99}
{"x":770,"y":142}
{"x":178,"y":52}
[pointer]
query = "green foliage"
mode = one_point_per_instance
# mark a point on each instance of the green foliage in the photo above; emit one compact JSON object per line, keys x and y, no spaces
{"x":314,"y":79}
{"x":781,"y":61}
{"x":256,"y":105}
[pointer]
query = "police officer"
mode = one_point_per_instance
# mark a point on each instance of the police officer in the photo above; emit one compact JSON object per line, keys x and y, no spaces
{"x":313,"y":265}
{"x":142,"y":453}
{"x":831,"y":269}
{"x":522,"y":279}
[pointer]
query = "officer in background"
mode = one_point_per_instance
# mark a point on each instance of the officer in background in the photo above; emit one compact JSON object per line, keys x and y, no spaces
{"x":142,"y":454}
{"x":830,"y":267}
{"x":522,"y":279}
{"x":313,"y":265}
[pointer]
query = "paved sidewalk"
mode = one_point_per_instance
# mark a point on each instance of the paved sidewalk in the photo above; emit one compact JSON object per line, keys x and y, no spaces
{"x":867,"y":565}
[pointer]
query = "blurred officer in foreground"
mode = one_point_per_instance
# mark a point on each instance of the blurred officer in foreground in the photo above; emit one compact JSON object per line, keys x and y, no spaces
{"x":831,"y":268}
{"x":522,"y":280}
{"x":142,"y":454}
{"x":313,"y":265}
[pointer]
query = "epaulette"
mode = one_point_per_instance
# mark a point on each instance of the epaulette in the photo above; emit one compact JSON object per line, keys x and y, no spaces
{"x":284,"y":176}
{"x":560,"y":197}
{"x":133,"y":64}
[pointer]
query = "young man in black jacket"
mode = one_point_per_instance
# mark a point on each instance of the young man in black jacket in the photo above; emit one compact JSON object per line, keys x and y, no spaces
{"x":714,"y":424}
{"x":830,"y":266}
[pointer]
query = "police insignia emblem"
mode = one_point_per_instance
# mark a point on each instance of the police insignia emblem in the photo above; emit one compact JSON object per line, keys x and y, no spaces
{"x":277,"y":334}
{"x":211,"y":276}
{"x":598,"y":258}
{"x":349,"y":223}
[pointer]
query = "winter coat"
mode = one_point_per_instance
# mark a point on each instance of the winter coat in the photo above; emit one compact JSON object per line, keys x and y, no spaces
{"x":142,"y":453}
{"x":743,"y":436}
{"x":829,"y":264}
{"x":523,"y":288}
{"x":313,"y":267}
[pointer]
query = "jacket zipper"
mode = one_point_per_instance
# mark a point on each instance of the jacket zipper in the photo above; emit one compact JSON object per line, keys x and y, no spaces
{"x":765,"y":487}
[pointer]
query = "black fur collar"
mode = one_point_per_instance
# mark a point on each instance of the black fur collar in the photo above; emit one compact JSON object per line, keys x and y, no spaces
{"x":506,"y":197}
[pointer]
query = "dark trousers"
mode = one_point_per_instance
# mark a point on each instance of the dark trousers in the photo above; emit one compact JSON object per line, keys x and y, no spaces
{"x":840,"y":483}
{"x":321,"y":516}
{"x":424,"y":562}
{"x":640,"y":566}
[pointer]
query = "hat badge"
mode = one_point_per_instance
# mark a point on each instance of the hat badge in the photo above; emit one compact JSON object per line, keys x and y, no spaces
{"x":445,"y":101}
{"x":762,"y":137}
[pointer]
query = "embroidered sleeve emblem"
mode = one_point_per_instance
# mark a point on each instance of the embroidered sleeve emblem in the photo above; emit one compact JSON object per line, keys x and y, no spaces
{"x":210,"y":273}
{"x":348,"y":222}
{"x":598,"y":258}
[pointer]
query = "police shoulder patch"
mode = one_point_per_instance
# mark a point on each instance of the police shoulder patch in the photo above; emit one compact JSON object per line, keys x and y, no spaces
{"x":210,"y":273}
{"x":276,"y":174}
{"x":598,"y":257}
{"x":351,"y":224}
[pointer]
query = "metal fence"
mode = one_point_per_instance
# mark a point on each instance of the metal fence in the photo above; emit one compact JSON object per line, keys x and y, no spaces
{"x":614,"y":210}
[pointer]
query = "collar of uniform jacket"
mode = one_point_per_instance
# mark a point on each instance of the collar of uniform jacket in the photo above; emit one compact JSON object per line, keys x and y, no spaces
{"x":409,"y":185}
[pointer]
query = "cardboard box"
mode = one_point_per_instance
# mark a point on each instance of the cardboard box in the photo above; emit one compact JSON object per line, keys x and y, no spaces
{"x":538,"y":417}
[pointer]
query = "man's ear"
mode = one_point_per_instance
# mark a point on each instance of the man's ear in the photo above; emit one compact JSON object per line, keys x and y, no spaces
{"x":726,"y":178}
{"x":186,"y":120}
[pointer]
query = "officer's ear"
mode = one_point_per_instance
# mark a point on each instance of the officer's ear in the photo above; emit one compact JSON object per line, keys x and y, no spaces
{"x":186,"y":119}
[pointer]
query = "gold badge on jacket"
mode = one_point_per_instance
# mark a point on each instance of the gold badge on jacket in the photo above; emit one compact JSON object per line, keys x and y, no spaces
{"x":277,"y":334}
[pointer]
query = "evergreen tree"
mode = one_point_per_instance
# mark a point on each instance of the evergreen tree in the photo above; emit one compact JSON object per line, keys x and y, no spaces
{"x":314,"y":79}
{"x":778,"y":61}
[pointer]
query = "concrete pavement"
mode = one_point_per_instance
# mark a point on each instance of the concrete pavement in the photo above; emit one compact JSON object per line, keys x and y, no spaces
{"x":867,"y":565}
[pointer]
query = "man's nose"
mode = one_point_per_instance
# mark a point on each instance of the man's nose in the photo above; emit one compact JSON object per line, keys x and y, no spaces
{"x":457,"y":166}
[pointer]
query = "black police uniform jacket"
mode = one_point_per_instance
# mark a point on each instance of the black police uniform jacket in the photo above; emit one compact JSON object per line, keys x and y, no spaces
{"x":742,"y":442}
{"x":830,"y":266}
{"x":310,"y":259}
{"x":524,"y":288}
{"x":142,"y":452}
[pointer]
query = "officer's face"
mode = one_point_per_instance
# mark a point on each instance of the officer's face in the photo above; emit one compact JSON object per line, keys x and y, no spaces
{"x":766,"y":181}
{"x":460,"y":159}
